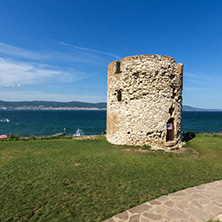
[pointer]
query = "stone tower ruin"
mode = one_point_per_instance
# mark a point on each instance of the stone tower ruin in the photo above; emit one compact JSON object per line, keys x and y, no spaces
{"x":144,"y":101}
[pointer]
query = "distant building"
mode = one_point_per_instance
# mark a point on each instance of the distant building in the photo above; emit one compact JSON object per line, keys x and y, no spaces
{"x":144,"y":101}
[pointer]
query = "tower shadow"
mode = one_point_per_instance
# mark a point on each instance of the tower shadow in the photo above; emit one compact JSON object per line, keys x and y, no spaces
{"x":188,"y":136}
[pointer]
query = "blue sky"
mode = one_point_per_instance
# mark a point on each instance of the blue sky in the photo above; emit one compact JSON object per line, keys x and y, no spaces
{"x":59,"y":50}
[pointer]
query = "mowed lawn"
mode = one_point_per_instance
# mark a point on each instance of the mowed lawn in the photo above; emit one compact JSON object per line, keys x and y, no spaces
{"x":91,"y":180}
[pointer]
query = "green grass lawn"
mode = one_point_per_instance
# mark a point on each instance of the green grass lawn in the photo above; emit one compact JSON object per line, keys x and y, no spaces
{"x":91,"y":180}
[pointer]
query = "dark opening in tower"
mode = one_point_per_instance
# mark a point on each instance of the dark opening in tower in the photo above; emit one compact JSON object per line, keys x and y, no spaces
{"x":170,"y":130}
{"x":171,"y":111}
{"x":119,"y":95}
{"x":118,"y":67}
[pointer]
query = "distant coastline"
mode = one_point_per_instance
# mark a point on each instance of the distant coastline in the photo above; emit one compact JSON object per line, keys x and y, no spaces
{"x":74,"y":105}
{"x":195,"y":109}
{"x":51,"y":105}
{"x":50,"y":108}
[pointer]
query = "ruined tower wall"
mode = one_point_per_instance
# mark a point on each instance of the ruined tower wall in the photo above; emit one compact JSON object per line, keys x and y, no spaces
{"x":144,"y":93}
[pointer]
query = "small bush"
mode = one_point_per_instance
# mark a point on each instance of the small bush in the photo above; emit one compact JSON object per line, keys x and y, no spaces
{"x":217,"y":135}
{"x":32,"y":137}
{"x":54,"y":137}
{"x":145,"y":147}
{"x":14,"y":137}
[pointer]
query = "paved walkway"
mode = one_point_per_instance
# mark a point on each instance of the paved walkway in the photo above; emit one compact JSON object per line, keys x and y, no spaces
{"x":200,"y":203}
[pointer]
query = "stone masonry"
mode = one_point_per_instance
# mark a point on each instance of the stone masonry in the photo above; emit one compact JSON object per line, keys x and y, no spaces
{"x":195,"y":204}
{"x":144,"y":101}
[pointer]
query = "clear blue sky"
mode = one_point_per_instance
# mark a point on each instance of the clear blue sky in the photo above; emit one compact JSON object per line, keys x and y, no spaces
{"x":59,"y":50}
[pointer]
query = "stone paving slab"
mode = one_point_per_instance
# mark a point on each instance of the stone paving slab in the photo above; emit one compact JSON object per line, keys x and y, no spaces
{"x":196,"y":204}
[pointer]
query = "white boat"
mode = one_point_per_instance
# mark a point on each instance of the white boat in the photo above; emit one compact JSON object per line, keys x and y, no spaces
{"x":79,"y":132}
{"x":4,"y":120}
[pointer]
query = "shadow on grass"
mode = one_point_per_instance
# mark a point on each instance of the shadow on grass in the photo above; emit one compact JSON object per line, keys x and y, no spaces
{"x":188,"y":136}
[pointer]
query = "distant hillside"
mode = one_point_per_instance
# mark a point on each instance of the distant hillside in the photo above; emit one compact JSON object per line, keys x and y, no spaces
{"x":51,"y":104}
{"x":190,"y":108}
{"x":73,"y":104}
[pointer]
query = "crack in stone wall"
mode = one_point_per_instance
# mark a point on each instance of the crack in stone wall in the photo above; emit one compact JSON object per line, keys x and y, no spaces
{"x":144,"y":92}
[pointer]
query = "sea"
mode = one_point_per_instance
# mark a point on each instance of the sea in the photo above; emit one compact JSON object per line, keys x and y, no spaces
{"x":93,"y":122}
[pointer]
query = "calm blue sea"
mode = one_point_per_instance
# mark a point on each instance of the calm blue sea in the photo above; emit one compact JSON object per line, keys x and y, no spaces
{"x":43,"y":123}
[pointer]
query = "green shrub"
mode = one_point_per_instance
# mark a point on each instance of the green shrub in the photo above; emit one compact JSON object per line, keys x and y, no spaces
{"x":55,"y":137}
{"x":32,"y":137}
{"x":14,"y":137}
{"x":145,"y":147}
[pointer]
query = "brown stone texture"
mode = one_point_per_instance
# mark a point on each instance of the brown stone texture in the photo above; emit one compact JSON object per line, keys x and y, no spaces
{"x":144,"y":92}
